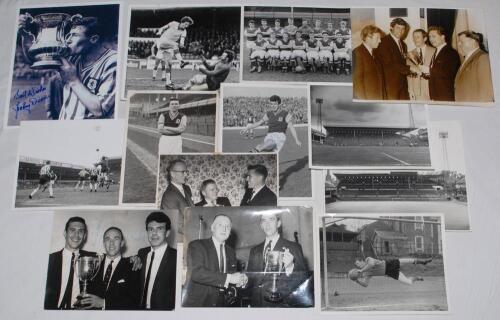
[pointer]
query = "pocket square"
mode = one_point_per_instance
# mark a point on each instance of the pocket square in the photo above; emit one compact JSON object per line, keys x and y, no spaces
{"x":121,"y":281}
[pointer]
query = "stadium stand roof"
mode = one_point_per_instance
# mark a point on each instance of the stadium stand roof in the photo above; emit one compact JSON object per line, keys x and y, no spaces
{"x":390,"y":235}
{"x":52,"y":162}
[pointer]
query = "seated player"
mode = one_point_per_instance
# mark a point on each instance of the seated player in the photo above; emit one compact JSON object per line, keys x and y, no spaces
{"x":278,"y":121}
{"x":273,"y":51}
{"x":312,"y":52}
{"x":212,"y":74}
{"x":251,"y":34}
{"x":298,"y":56}
{"x":285,"y":52}
{"x":325,"y":52}
{"x":372,"y":267}
{"x":45,"y":173}
{"x":341,"y":55}
{"x":258,"y":55}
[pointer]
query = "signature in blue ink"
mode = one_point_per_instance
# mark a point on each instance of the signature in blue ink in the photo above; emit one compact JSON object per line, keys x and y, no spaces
{"x":28,"y":98}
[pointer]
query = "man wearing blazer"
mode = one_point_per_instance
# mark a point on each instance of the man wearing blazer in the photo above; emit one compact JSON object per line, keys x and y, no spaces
{"x":473,"y":80}
{"x":157,"y":276}
{"x":443,"y":67}
{"x":178,"y":194}
{"x":116,"y":285}
{"x":212,"y":268}
{"x":294,"y":266}
{"x":257,"y":193}
{"x":368,"y":76}
{"x":392,"y":53}
{"x":63,"y":285}
{"x":418,"y":86}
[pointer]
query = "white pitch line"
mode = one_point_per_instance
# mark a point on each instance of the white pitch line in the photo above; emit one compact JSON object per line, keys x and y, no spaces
{"x":149,"y":160}
{"x":381,"y":306}
{"x":198,"y":141}
{"x":394,"y":158}
{"x":149,"y":130}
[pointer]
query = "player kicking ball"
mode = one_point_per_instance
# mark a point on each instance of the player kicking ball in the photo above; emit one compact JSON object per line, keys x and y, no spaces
{"x":172,"y":37}
{"x":278,"y":121}
{"x":372,"y":267}
{"x":45,"y":177}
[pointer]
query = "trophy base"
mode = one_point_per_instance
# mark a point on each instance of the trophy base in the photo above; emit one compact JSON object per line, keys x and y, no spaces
{"x":46,"y":64}
{"x":273,"y":297}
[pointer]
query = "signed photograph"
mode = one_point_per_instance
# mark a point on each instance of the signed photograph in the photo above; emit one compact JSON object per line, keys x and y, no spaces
{"x":248,"y":257}
{"x":118,"y":260}
{"x":55,"y":170}
{"x":161,"y":122}
{"x":257,"y":118}
{"x":300,"y":44}
{"x":421,"y":55}
{"x":391,"y":263}
{"x":64,"y":64}
{"x":183,"y":48}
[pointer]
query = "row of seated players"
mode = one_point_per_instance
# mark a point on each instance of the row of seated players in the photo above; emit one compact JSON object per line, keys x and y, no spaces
{"x":299,"y":48}
{"x":366,"y":140}
{"x":240,"y":111}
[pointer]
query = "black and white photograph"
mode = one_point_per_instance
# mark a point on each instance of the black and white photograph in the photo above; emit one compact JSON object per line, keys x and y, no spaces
{"x":248,"y":257}
{"x":258,"y":118}
{"x":390,"y":263}
{"x":299,"y":44}
{"x":160,"y":122}
{"x":64,"y":64}
{"x":184,"y":48}
{"x":366,"y":135}
{"x":421,"y":55}
{"x":443,"y":190}
{"x":123,"y":260}
{"x":56,"y":170}
{"x":217,"y":180}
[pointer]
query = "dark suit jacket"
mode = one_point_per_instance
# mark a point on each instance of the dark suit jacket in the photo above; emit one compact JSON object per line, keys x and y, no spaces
{"x":123,"y":290}
{"x":221,"y":201}
{"x":265,"y":197}
{"x":203,"y":276}
{"x":394,"y":68}
{"x":54,"y":275}
{"x":173,"y":199}
{"x":442,"y":74}
{"x":473,"y":80}
{"x":163,"y":293}
{"x":259,"y":283}
{"x":368,"y":76}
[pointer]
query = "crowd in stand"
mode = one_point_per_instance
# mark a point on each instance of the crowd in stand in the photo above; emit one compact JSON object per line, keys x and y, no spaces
{"x":372,"y":139}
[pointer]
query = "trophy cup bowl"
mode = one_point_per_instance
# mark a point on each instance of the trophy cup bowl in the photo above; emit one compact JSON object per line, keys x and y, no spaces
{"x":49,"y":43}
{"x":274,"y":266}
{"x":86,"y":268}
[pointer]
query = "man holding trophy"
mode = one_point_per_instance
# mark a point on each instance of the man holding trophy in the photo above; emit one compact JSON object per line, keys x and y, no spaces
{"x":418,"y":85}
{"x":276,"y":266}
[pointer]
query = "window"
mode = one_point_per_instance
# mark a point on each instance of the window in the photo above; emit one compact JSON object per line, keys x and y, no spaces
{"x":398,"y":12}
{"x":419,"y":244}
{"x":387,"y":247}
{"x":419,"y":226}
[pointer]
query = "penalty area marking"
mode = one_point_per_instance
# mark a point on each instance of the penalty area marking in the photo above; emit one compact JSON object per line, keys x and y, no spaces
{"x":394,"y":158}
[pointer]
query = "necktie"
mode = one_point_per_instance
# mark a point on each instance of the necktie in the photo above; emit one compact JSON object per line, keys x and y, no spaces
{"x":433,"y":58}
{"x":107,"y":275}
{"x":266,"y":250}
{"x":66,"y":301}
{"x":148,"y":276}
{"x":221,"y":258}
{"x":421,"y":56}
{"x":400,"y":45}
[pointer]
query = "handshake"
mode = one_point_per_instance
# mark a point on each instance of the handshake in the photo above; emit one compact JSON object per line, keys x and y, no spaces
{"x":238,"y":279}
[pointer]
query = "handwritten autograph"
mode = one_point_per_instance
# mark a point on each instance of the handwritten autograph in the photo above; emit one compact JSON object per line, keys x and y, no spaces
{"x":28,"y":98}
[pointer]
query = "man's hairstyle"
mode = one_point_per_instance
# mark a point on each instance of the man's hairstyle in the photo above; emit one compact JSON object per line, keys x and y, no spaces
{"x":353,"y":274}
{"x":221,"y":215}
{"x":478,"y":37}
{"x":262,"y":20}
{"x":159,"y":217}
{"x":75,"y":219}
{"x":47,"y":162}
{"x":438,"y":29}
{"x":91,"y":24}
{"x":204,"y":185}
{"x":275,"y":98}
{"x":422,"y":31}
{"x":369,"y":30}
{"x":277,"y":20}
{"x":230,"y":55}
{"x":343,"y":20}
{"x":171,"y":165}
{"x":187,"y":19}
{"x":399,"y":21}
{"x":173,"y":99}
{"x":324,"y":32}
{"x":113,"y":228}
{"x":251,"y":21}
{"x":259,"y":169}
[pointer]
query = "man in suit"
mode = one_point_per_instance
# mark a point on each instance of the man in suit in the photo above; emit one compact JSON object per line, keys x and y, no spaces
{"x":116,"y":286}
{"x":209,"y":195}
{"x":392,"y":54}
{"x":178,"y":194}
{"x":473,"y":80}
{"x":257,"y":193}
{"x":443,"y":68}
{"x":63,"y":285}
{"x":294,"y":266}
{"x":211,"y":268}
{"x":418,"y":86}
{"x":368,"y":76}
{"x":157,"y":277}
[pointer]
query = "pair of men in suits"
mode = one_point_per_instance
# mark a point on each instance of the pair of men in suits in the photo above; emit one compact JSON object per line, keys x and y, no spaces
{"x":212,"y":276}
{"x":258,"y":193}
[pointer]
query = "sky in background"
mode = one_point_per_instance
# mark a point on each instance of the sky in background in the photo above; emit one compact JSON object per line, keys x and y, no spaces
{"x":72,"y":142}
{"x":453,"y":145}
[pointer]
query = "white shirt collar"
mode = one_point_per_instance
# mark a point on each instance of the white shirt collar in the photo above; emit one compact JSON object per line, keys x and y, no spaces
{"x":160,"y":250}
{"x":256,"y":190}
{"x":217,"y":243}
{"x":107,"y":260}
{"x":396,"y":40}
{"x":67,"y":252}
{"x":179,"y":187}
{"x":274,"y":240}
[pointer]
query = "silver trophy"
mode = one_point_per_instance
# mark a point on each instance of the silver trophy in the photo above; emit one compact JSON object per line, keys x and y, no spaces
{"x":274,"y":266}
{"x":86,"y":270}
{"x":48,"y":33}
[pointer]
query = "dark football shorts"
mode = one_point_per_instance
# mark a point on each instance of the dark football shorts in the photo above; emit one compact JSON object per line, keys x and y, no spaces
{"x":44,"y":178}
{"x":93,"y":178}
{"x":392,"y":268}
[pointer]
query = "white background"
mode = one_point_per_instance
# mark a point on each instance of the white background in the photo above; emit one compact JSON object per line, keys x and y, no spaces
{"x":472,"y":258}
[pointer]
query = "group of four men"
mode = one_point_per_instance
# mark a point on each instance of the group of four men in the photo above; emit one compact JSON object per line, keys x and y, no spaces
{"x":384,"y":69}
